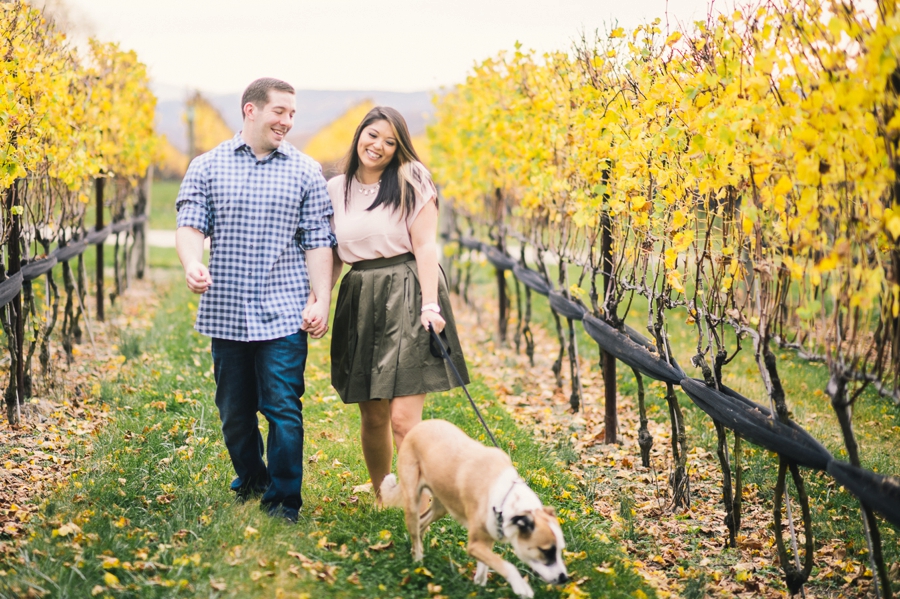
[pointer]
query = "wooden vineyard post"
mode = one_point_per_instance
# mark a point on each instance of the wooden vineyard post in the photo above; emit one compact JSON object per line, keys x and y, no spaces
{"x":607,"y":360}
{"x":143,"y":251}
{"x":14,"y":208}
{"x":501,"y":276}
{"x":98,"y":183}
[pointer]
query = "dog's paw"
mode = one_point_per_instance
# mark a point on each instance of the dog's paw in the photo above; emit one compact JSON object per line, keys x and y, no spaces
{"x":481,"y":574}
{"x":518,"y":584}
{"x":523,"y":589}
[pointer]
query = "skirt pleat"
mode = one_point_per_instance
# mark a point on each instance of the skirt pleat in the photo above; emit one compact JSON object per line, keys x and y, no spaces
{"x":379,"y":348}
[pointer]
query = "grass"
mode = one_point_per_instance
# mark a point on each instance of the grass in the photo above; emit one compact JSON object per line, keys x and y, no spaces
{"x":152,"y":509}
{"x":164,"y":258}
{"x":876,"y":419}
{"x":148,"y":514}
{"x":162,"y":204}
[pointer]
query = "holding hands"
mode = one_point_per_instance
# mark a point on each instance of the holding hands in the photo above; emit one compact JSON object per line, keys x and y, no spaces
{"x":315,"y":317}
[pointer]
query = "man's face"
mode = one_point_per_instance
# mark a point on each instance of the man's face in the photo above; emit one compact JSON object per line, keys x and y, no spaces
{"x":267,"y":125}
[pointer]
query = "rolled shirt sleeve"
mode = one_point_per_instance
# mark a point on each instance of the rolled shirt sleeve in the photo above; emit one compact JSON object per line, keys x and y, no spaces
{"x":314,"y":230}
{"x":192,"y":203}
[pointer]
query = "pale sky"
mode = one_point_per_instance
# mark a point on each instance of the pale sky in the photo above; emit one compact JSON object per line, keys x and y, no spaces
{"x":218,"y":46}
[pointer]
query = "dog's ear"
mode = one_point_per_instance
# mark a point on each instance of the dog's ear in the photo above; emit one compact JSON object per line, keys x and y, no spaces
{"x":550,"y":510}
{"x":524,"y":522}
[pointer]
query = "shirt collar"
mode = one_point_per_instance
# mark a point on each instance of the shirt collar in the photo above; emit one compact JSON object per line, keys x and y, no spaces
{"x":238,"y":145}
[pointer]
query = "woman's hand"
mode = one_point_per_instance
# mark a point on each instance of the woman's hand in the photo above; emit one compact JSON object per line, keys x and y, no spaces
{"x":434,"y":319}
{"x":315,"y":317}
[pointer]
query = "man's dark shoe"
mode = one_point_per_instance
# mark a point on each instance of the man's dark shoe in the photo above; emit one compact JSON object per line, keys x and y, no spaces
{"x":243,"y":495}
{"x":246,"y":492}
{"x":279,"y":511}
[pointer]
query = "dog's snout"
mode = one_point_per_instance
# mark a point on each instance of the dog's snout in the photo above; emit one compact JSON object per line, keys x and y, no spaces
{"x":562,"y":578}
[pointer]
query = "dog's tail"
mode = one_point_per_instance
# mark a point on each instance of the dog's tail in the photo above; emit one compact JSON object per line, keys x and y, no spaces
{"x":391,"y":492}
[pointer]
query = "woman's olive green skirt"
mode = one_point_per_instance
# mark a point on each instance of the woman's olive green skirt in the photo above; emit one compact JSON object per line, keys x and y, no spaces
{"x":379,"y":348}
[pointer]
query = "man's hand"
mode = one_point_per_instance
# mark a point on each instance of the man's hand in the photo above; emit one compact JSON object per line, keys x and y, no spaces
{"x":315,"y":314}
{"x":197,"y":276}
{"x":189,"y":244}
{"x":315,"y":318}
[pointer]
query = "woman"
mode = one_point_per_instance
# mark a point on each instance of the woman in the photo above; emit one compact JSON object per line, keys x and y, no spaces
{"x":385,"y":222}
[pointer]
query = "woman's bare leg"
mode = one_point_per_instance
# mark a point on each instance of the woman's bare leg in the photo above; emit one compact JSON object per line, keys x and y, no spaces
{"x":406,"y":412}
{"x":375,"y":433}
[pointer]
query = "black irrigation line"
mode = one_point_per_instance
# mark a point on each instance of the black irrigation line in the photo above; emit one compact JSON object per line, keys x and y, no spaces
{"x":748,"y":419}
{"x":34,"y":269}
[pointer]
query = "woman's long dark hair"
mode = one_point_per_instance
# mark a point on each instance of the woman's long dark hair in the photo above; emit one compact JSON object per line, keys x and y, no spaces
{"x":401,"y":176}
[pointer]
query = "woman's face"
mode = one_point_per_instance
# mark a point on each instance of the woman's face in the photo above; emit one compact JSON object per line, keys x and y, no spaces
{"x":376,"y":146}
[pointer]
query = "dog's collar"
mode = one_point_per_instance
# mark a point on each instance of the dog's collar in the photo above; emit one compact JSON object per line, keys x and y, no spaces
{"x":498,"y":513}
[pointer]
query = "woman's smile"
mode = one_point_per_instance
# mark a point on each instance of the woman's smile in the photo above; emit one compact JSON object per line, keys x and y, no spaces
{"x":376,"y":147}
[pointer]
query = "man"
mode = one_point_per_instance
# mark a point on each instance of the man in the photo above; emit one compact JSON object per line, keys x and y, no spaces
{"x":265,"y":208}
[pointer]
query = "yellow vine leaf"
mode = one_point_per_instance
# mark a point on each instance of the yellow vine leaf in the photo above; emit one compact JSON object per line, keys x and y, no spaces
{"x":828,"y":263}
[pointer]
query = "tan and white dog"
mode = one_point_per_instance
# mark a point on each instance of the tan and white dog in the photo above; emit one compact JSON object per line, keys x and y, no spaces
{"x":479,"y":487}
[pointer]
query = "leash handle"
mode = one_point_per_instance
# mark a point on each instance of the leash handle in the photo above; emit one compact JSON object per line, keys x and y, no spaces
{"x":446,"y":356}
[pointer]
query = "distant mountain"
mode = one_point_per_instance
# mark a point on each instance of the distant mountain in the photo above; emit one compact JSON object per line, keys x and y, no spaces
{"x":315,"y":109}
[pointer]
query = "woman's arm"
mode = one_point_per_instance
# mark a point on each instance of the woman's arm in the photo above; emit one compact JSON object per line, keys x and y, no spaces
{"x":337,"y":267}
{"x":423,"y":232}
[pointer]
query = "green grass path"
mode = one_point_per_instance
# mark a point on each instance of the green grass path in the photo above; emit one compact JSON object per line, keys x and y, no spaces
{"x":149,"y":514}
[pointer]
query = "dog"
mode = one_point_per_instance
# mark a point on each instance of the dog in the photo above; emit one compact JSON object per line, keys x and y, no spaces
{"x":480,"y":488}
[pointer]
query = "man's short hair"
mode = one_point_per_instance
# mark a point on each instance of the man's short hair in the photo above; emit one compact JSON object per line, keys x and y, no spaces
{"x":258,"y":91}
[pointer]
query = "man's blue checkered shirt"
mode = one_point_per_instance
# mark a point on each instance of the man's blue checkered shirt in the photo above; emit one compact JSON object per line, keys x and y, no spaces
{"x":260,"y":216}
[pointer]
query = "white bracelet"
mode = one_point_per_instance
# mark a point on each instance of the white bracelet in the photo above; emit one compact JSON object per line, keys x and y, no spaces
{"x":433,"y":307}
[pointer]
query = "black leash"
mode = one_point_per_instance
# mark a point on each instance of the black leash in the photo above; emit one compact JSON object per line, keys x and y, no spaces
{"x":446,"y":355}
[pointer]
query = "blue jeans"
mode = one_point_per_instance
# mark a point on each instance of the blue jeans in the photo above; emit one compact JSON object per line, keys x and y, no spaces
{"x":266,"y":377}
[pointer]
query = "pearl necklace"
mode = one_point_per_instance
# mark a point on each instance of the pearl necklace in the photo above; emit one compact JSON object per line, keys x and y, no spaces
{"x":368,"y":189}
